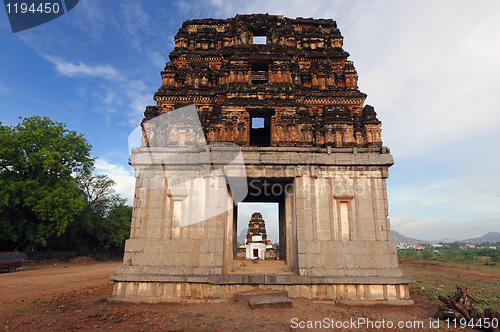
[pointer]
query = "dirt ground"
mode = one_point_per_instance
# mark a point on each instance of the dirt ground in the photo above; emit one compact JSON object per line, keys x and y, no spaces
{"x":67,"y":296}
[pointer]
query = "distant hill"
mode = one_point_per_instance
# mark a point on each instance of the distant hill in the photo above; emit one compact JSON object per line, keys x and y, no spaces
{"x":398,"y":238}
{"x":243,"y":235}
{"x":491,"y":237}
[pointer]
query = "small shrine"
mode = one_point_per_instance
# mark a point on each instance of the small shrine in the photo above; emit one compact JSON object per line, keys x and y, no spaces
{"x":256,"y":238}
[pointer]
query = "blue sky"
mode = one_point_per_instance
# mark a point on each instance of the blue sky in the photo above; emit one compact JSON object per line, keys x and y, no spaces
{"x":431,"y":69}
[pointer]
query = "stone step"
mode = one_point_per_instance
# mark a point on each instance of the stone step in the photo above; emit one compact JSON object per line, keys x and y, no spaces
{"x":259,"y":294}
{"x":259,"y":267}
{"x":270,"y":302}
{"x":259,"y":270}
{"x":259,"y":262}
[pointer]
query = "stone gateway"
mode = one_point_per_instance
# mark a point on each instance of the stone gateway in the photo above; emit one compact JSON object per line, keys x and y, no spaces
{"x":260,"y":108}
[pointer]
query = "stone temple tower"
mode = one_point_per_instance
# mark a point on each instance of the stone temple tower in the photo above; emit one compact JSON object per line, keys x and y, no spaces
{"x":257,"y":226}
{"x":260,"y":108}
{"x":256,"y":237}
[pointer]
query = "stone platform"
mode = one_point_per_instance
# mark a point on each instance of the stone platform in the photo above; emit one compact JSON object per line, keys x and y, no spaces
{"x":346,"y":290}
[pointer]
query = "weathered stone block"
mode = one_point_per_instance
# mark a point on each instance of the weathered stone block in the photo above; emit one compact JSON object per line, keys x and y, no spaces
{"x":259,"y":294}
{"x":315,"y":261}
{"x":216,"y":246}
{"x":270,"y":302}
{"x":134,"y":245}
{"x":302,"y":247}
{"x":313,"y":247}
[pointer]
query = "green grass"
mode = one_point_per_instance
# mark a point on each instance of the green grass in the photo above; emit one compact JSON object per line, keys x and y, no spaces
{"x":429,"y":279}
{"x":19,"y":308}
{"x":481,"y":255}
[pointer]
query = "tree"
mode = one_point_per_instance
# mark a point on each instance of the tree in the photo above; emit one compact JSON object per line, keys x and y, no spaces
{"x":116,"y":228}
{"x":38,"y":194}
{"x":103,"y":224}
{"x":108,"y":215}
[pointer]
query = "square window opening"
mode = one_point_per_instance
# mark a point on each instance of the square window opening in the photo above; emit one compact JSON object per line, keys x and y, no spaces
{"x":257,"y":123}
{"x":259,"y":40}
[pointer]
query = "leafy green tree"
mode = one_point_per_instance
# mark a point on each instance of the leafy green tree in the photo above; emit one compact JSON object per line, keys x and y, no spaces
{"x":104,"y":223}
{"x":109,"y":216}
{"x":426,"y":254}
{"x":100,"y":197}
{"x":115,"y":229}
{"x":38,"y":194}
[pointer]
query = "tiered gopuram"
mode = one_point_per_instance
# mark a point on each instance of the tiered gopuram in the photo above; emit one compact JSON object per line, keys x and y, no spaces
{"x":283,"y":92}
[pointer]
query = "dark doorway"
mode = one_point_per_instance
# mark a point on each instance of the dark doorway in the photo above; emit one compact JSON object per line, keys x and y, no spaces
{"x":270,"y":192}
{"x":260,"y":72}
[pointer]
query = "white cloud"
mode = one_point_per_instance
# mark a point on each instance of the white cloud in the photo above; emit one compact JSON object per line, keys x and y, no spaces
{"x":91,"y":17}
{"x":136,"y":22}
{"x":115,"y":93}
{"x":5,"y":89}
{"x":122,"y":176}
{"x":139,"y":96}
{"x":71,"y":70}
{"x":431,"y":72}
{"x":157,"y":60}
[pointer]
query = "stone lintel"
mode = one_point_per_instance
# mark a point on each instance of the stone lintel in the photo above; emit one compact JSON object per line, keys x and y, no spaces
{"x":143,"y":157}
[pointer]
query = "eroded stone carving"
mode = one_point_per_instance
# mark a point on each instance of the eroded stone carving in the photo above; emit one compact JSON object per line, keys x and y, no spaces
{"x":300,"y":82}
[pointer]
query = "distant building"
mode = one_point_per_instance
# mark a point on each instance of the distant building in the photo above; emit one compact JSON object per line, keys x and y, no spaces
{"x":470,"y":246}
{"x":256,"y":237}
{"x":402,"y":246}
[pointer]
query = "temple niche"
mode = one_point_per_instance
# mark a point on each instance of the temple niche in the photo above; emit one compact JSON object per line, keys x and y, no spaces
{"x":256,"y":240}
{"x":260,"y":109}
